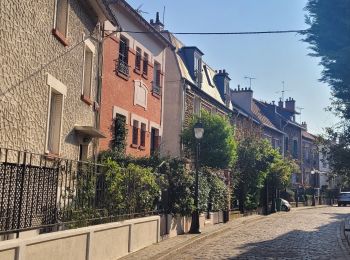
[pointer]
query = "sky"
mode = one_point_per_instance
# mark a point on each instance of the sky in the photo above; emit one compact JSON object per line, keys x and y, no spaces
{"x":270,"y":59}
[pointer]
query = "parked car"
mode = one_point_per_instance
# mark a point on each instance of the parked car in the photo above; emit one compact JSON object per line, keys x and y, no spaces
{"x":285,"y":206}
{"x":343,"y":198}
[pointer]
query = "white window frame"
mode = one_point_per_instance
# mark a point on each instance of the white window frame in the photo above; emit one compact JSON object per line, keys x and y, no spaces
{"x":67,"y":19}
{"x":58,"y":87}
{"x":92,"y":48}
{"x":120,"y":111}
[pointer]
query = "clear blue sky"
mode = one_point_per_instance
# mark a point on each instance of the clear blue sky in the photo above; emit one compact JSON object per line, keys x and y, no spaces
{"x":270,"y":58}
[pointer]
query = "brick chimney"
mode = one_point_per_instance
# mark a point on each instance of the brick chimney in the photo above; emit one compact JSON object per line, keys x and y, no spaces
{"x":280,"y":103}
{"x":242,"y":97}
{"x":304,"y":125}
{"x":290,"y":105}
{"x":158,"y":25}
{"x":222,"y":81}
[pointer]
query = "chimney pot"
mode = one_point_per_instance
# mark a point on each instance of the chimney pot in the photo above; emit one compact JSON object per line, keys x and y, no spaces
{"x":224,"y":71}
{"x":157,"y":17}
{"x":152,"y":21}
{"x":239,"y":87}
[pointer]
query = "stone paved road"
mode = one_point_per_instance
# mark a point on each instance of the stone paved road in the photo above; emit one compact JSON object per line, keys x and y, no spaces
{"x":300,"y":234}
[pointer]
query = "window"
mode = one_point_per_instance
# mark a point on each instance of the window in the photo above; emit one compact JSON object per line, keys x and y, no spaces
{"x":157,"y":78}
{"x":155,"y":140}
{"x":119,"y":132}
{"x":138,"y":59}
{"x":198,"y":70}
{"x":295,"y":148}
{"x":143,"y":135}
{"x":123,"y":66}
{"x":61,"y":17}
{"x":145,"y":64}
{"x":135,"y":133}
{"x":55,"y":121}
{"x":88,"y":61}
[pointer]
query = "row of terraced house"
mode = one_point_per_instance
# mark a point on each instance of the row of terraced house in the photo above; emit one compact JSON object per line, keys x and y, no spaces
{"x":71,"y":70}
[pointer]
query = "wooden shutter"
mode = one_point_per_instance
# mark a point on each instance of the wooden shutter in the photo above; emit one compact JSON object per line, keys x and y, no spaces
{"x":87,"y":72}
{"x":62,"y":16}
{"x":54,"y":133}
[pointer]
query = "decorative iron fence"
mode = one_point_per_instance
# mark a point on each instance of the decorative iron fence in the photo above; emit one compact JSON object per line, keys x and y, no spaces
{"x":48,"y":194}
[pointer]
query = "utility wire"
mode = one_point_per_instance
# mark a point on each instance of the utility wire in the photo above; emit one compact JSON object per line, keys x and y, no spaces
{"x":221,"y":33}
{"x":143,"y":32}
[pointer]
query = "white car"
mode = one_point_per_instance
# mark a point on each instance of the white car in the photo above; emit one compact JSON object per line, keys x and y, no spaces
{"x":285,"y":206}
{"x":343,"y":198}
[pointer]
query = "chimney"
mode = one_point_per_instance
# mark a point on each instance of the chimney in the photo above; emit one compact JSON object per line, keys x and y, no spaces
{"x":222,"y":81}
{"x":290,"y":105}
{"x":158,"y":25}
{"x":304,"y":125}
{"x":243,"y":97}
{"x":280,"y":103}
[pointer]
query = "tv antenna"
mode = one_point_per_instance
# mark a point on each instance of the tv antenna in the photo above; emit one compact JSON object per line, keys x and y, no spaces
{"x":283,"y":91}
{"x":300,"y":110}
{"x":140,"y":11}
{"x":250,"y":80}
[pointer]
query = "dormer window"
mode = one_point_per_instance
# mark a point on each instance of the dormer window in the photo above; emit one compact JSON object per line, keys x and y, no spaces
{"x":198,"y":69}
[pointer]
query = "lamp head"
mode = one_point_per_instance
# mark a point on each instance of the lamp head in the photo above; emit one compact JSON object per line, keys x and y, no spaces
{"x":198,"y":130}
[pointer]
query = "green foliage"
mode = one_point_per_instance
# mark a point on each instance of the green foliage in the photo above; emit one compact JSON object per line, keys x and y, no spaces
{"x":179,"y":187}
{"x":329,"y":37}
{"x":218,"y":146}
{"x":218,"y":194}
{"x":119,"y":133}
{"x":133,"y":189}
{"x":259,"y":164}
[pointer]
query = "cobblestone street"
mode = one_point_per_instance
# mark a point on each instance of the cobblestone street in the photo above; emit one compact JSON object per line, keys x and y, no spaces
{"x":300,"y":234}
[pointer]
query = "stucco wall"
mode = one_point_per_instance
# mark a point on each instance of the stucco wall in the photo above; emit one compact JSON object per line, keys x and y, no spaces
{"x":29,"y":51}
{"x":107,"y":242}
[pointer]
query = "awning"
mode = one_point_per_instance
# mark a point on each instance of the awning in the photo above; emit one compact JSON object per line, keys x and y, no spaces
{"x":89,"y":131}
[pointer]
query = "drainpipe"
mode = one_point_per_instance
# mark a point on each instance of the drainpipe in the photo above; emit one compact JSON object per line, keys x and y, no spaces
{"x":183,"y":96}
{"x":99,"y":83}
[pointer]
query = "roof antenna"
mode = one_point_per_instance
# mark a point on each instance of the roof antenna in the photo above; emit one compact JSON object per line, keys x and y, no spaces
{"x":250,"y":81}
{"x":283,"y":91}
{"x":300,"y":109}
{"x":140,"y":11}
{"x":163,"y":14}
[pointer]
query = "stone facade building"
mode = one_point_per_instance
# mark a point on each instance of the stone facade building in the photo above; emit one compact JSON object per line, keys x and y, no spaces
{"x":310,"y":165}
{"x":133,"y":83}
{"x":278,"y":124}
{"x":191,"y":86}
{"x":49,"y":76}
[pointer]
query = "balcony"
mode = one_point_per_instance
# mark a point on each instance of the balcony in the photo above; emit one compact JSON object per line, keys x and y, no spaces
{"x":122,"y":67}
{"x":156,"y":89}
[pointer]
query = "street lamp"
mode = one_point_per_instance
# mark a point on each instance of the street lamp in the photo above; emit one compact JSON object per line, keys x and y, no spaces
{"x":198,"y":134}
{"x":313,"y":172}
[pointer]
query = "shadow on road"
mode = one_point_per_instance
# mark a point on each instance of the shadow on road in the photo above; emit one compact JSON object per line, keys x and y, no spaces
{"x":322,"y":242}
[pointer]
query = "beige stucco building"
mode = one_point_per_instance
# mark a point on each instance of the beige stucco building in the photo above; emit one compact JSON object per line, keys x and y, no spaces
{"x":49,"y":76}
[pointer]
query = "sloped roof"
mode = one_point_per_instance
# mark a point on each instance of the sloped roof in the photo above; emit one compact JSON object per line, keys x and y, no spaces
{"x":308,"y":135}
{"x":262,"y":112}
{"x":208,"y":83}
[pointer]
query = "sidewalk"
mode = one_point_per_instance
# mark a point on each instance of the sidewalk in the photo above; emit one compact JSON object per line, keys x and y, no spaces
{"x":171,"y":245}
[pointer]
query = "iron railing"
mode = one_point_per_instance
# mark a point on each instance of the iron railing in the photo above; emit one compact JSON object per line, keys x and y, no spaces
{"x":48,"y":194}
{"x":156,"y":89}
{"x":122,"y":67}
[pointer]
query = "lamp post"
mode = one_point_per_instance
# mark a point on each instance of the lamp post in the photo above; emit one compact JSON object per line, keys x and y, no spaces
{"x":313,"y":173}
{"x":198,"y":134}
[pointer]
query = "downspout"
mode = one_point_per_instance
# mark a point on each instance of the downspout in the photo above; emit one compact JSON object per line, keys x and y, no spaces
{"x":183,"y":94}
{"x":99,"y":84}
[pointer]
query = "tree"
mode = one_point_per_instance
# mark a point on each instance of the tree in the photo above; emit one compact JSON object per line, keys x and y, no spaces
{"x":218,"y":146}
{"x":329,"y":36}
{"x":260,"y":167}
